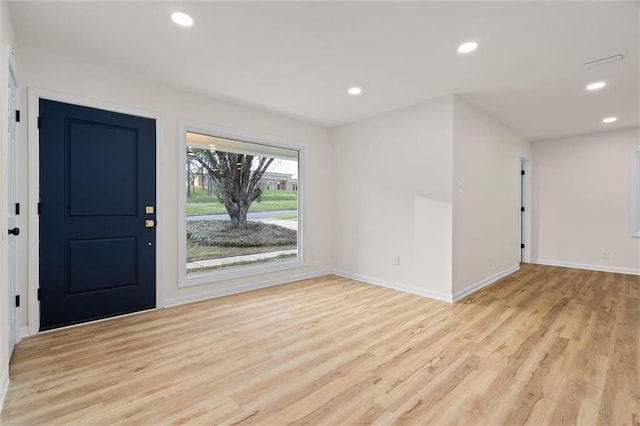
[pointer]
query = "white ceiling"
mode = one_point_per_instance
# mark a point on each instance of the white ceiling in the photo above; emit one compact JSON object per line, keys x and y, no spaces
{"x":298,"y":58}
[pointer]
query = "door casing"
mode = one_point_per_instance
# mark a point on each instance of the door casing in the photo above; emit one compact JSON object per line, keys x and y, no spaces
{"x":34,"y":189}
{"x":11,"y":188}
{"x":525,"y":218}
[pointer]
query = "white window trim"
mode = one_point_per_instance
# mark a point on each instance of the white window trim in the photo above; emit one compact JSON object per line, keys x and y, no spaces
{"x":211,"y":277}
{"x":635,"y":195}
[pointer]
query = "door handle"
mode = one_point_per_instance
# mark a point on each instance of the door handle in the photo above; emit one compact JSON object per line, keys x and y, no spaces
{"x":150,"y":223}
{"x":14,"y":231}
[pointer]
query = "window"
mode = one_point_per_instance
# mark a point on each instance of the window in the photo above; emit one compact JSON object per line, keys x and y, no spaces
{"x":635,"y":196}
{"x":242,"y":214}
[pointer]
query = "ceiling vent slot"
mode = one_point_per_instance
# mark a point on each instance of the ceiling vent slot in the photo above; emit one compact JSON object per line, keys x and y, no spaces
{"x":604,"y":61}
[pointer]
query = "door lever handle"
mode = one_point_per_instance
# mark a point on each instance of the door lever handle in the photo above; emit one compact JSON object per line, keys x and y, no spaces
{"x":14,"y":231}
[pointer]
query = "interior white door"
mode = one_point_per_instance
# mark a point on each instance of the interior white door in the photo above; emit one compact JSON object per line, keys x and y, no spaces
{"x":12,"y":213}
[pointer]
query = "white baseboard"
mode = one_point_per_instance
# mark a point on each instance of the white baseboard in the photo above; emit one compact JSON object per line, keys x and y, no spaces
{"x":241,"y":288}
{"x":24,"y":332}
{"x":5,"y":386}
{"x":395,"y":286}
{"x":487,"y":281}
{"x":629,"y":271}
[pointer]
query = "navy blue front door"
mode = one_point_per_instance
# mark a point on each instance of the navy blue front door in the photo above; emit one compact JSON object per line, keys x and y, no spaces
{"x":97,"y":214}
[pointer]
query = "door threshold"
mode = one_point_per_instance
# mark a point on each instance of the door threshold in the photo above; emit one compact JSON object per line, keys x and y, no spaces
{"x":66,"y":327}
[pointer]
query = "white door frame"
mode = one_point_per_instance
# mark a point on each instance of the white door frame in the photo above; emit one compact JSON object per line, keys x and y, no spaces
{"x":34,"y":190}
{"x":11,"y":191}
{"x":525,"y":218}
{"x":7,"y":305}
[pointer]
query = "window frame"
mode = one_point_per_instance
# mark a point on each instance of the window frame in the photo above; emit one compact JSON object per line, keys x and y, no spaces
{"x":210,"y":277}
{"x":635,"y":195}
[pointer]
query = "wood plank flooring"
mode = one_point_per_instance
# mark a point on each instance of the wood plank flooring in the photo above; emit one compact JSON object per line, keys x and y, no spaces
{"x":545,"y":345}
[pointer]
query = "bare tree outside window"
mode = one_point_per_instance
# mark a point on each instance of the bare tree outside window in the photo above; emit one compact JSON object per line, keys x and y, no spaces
{"x":237,"y":178}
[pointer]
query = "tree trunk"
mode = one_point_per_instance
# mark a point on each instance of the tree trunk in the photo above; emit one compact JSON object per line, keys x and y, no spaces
{"x":242,"y":223}
{"x":188,"y":178}
{"x":238,"y":213}
{"x":234,"y":214}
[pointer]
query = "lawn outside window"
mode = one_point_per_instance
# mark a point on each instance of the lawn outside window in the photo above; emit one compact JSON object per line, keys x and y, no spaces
{"x":242,"y":211}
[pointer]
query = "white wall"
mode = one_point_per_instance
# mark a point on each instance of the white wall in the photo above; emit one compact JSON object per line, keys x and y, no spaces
{"x":486,"y":214}
{"x":6,"y":38}
{"x":396,"y":193}
{"x":392,"y":197}
{"x":79,"y":78}
{"x":582,"y":201}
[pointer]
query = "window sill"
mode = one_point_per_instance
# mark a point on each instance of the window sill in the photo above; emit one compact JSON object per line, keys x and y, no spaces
{"x":204,"y":278}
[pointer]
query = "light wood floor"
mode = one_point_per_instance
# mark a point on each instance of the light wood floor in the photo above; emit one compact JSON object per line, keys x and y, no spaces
{"x":543,"y":346}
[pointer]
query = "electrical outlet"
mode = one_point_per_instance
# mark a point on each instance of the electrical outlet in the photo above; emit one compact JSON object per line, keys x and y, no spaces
{"x":396,"y":260}
{"x":490,"y":263}
{"x":606,"y":255}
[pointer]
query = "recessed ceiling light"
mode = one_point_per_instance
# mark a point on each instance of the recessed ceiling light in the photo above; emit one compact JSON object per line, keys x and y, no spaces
{"x":354,"y":90}
{"x":609,"y":119}
{"x":182,"y":19}
{"x":467,"y":47}
{"x":597,"y":85}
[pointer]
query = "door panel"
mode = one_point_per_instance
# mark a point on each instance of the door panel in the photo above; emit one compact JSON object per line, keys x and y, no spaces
{"x":116,"y":149}
{"x":101,"y":254}
{"x":97,"y":175}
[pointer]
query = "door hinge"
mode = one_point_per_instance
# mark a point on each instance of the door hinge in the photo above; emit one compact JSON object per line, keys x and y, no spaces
{"x":521,"y":245}
{"x":39,"y":208}
{"x":39,"y":294}
{"x":17,"y":116}
{"x":521,"y":209}
{"x":17,"y":208}
{"x":17,"y":300}
{"x":522,"y":172}
{"x":39,"y":121}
